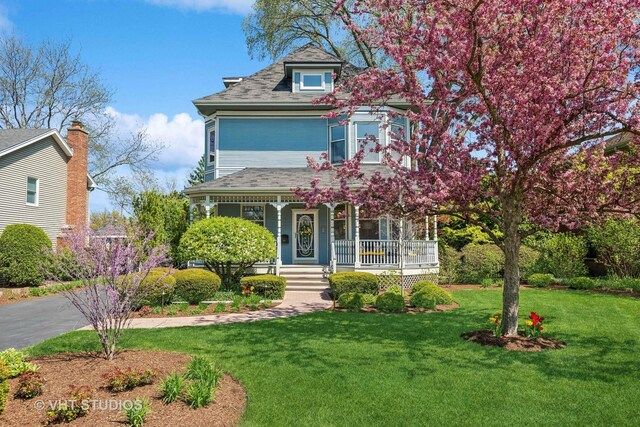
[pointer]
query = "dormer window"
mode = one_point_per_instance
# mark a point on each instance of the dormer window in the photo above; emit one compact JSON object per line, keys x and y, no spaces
{"x":312,"y":80}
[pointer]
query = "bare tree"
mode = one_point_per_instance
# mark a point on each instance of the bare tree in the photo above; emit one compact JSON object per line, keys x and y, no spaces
{"x":48,"y":86}
{"x":275,"y":27}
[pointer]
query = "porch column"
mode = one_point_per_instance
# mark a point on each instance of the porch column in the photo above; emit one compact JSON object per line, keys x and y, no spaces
{"x":435,"y":228}
{"x":279,"y":205}
{"x":190,"y":210}
{"x":356,"y":242}
{"x":426,"y":228}
{"x":332,"y":235}
{"x":207,"y":207}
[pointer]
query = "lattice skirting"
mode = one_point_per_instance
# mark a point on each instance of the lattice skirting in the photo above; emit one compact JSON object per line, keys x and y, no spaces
{"x":407,"y":281}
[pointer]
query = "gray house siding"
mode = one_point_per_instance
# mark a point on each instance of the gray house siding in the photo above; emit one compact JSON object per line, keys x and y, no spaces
{"x":46,"y":162}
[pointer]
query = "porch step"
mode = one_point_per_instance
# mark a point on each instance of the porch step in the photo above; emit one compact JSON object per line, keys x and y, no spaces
{"x":305,"y":277}
{"x":307,"y":288}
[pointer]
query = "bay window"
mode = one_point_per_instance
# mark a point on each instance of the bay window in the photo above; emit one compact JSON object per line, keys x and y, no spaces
{"x":367,"y":138}
{"x":338,"y":146}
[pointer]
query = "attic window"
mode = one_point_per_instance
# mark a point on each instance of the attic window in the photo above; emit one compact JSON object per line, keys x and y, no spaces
{"x":312,"y":81}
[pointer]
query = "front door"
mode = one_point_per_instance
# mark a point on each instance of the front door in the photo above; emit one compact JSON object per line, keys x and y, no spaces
{"x":305,"y":236}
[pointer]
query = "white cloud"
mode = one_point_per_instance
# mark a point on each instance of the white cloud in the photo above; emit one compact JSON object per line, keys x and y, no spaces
{"x":182,"y":136}
{"x":236,"y":6}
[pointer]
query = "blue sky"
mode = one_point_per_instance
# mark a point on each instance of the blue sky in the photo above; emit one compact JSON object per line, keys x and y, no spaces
{"x":156,"y":55}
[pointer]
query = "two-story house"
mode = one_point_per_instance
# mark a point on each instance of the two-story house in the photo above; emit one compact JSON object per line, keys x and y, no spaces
{"x":44,"y":180}
{"x":259,"y":132}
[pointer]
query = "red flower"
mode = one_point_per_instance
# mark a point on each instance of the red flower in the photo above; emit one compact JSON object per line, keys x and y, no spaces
{"x":541,"y":328}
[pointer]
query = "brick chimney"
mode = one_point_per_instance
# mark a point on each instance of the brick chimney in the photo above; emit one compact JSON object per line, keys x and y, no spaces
{"x":77,"y":193}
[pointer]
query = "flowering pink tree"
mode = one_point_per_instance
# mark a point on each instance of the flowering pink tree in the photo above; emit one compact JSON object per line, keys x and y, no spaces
{"x":512,"y":102}
{"x":111,"y":272}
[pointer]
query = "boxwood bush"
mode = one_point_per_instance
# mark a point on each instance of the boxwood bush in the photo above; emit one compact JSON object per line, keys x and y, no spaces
{"x":195,"y":285}
{"x":266,"y":285}
{"x":390,"y":302}
{"x":22,"y":254}
{"x":157,"y":288}
{"x":4,"y":385}
{"x":351,"y":301}
{"x":540,"y":280}
{"x":351,"y":281}
{"x":424,"y":299}
{"x":439,"y":295}
{"x":581,"y":283}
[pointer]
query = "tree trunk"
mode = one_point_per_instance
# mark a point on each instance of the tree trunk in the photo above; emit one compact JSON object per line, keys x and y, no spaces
{"x":511,"y":248}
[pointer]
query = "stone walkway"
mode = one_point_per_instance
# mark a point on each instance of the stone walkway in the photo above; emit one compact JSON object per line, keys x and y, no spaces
{"x":294,"y":304}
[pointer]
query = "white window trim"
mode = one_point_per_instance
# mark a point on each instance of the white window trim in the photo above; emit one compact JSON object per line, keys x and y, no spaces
{"x":357,"y":140}
{"x":215,"y":153}
{"x":264,"y":212}
{"x":37,"y":202}
{"x":314,"y":72}
{"x":344,"y":140}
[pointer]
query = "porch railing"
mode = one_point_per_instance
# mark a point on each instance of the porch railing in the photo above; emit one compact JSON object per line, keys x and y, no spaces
{"x":387,"y":252}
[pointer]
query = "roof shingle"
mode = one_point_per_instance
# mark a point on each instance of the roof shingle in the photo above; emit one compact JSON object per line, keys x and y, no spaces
{"x":12,"y":137}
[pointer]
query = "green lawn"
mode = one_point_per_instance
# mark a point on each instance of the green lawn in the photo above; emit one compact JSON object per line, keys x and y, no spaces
{"x":372,"y":369}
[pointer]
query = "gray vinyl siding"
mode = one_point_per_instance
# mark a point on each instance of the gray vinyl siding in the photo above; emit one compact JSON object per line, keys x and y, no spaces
{"x":45,"y":161}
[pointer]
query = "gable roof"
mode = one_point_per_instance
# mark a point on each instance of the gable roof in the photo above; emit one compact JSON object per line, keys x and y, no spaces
{"x":270,"y":87}
{"x":280,"y":180}
{"x":15,"y":139}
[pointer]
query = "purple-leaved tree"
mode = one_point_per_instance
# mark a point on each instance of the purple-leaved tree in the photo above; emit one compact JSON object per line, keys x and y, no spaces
{"x":512,"y":102}
{"x":111,"y":271}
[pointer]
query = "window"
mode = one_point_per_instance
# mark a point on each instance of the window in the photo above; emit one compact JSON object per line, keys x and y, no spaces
{"x":33,"y":185}
{"x":369,"y":226}
{"x":367,"y":137}
{"x":212,"y":147}
{"x":337,"y":144}
{"x":312,"y":81}
{"x":397,"y":133}
{"x":340,"y":222}
{"x":253,"y":213}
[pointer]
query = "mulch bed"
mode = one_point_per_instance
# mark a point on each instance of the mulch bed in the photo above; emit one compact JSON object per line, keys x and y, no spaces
{"x":83,"y":369}
{"x":519,"y":343}
{"x":409,"y":310}
{"x":193,"y":311}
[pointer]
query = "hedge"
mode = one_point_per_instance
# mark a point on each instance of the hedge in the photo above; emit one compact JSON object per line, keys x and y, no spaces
{"x":581,"y":283}
{"x":540,"y":280}
{"x":4,"y":385}
{"x":157,"y":288}
{"x":23,"y":250}
{"x":390,"y":301}
{"x":195,"y":285}
{"x":351,"y":281}
{"x":266,"y":285}
{"x":351,"y":301}
{"x":439,"y":295}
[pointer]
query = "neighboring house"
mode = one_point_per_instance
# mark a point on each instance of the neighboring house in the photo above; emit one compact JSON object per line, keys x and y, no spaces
{"x":43,"y":179}
{"x":259,"y":132}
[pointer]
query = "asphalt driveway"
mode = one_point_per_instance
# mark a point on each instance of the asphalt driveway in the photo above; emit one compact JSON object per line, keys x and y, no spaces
{"x":28,"y":322}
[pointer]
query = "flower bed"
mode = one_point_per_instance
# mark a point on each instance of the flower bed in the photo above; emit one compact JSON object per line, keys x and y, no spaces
{"x":237,"y":305}
{"x":86,"y":373}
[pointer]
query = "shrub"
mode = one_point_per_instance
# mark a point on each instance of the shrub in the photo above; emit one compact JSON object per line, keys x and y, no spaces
{"x":65,"y":413}
{"x":390,"y":302}
{"x":157,"y":288}
{"x":195,"y":285}
{"x":15,"y":361}
{"x":22,"y":254}
{"x":528,"y":261}
{"x":423,"y":299}
{"x":228,"y":246}
{"x":351,"y":281}
{"x":351,"y":301}
{"x":540,"y":280}
{"x":617,"y":244}
{"x":440,"y":295}
{"x":561,"y":254}
{"x":368,"y":299}
{"x":4,"y":385}
{"x":450,"y":263}
{"x":171,"y":387}
{"x":479,"y":262}
{"x":137,"y":412}
{"x":118,"y":379}
{"x":620,"y":283}
{"x":30,"y":384}
{"x":266,"y":285}
{"x":394,"y":289}
{"x":581,"y":283}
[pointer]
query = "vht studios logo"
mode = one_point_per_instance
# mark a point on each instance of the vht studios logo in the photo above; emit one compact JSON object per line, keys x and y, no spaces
{"x":88,"y":404}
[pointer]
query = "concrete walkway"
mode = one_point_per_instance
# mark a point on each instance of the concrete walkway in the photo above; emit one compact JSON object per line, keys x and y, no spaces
{"x":26,"y":323}
{"x":294,"y":304}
